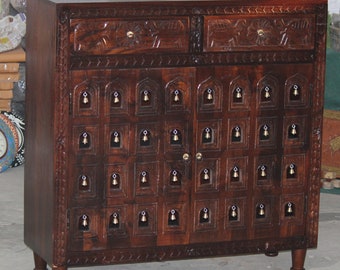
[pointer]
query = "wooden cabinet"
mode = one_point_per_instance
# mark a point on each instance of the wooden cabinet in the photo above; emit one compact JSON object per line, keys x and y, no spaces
{"x":170,"y":130}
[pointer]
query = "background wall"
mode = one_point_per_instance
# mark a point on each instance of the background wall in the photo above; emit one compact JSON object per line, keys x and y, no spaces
{"x":333,"y":6}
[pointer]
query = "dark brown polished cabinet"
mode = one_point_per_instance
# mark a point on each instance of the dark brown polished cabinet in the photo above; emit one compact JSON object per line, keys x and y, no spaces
{"x":170,"y":130}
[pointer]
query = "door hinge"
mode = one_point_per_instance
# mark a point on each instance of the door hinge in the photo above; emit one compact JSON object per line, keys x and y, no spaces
{"x":70,"y":104}
{"x":68,"y":219}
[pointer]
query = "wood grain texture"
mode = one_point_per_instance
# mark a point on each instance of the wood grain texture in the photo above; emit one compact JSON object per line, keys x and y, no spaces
{"x":173,"y":130}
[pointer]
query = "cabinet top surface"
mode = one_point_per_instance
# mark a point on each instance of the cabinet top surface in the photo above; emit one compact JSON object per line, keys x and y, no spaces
{"x":231,"y":2}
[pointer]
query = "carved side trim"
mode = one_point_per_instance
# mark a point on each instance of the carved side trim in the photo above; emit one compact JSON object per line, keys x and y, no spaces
{"x":61,"y":116}
{"x":318,"y":101}
{"x":196,"y":38}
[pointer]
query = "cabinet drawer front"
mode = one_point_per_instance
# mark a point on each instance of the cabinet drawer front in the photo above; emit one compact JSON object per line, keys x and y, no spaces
{"x":260,"y":33}
{"x":117,"y":36}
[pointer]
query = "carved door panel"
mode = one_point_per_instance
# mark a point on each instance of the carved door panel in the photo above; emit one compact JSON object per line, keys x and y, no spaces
{"x":207,"y":156}
{"x":177,"y":140}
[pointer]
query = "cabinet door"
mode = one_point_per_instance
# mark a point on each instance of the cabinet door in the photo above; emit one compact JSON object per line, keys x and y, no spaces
{"x":250,"y":151}
{"x":187,"y":155}
{"x":131,"y":132}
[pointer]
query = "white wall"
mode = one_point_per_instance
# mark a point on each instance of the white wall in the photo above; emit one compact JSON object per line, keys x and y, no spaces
{"x":334,"y":6}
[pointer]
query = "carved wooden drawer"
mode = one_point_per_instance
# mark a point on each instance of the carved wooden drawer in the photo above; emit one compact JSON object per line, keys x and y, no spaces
{"x":233,"y":33}
{"x":122,"y":36}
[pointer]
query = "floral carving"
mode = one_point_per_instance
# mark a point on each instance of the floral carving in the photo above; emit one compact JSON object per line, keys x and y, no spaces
{"x":110,"y":36}
{"x":259,"y":34}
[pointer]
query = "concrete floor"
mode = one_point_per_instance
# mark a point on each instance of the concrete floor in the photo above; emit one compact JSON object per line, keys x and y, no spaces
{"x":14,"y":255}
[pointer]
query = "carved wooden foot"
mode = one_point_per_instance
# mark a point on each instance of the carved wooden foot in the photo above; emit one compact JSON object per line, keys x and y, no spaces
{"x":298,"y":259}
{"x":39,"y":263}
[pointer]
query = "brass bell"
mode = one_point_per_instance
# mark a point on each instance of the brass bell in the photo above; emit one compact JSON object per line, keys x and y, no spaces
{"x":261,"y":210}
{"x":235,"y":172}
{"x":85,"y":139}
{"x":173,"y":215}
{"x":265,"y":131}
{"x":233,"y":211}
{"x":238,"y":93}
{"x":116,"y":137}
{"x":175,"y":137}
{"x":174,"y":178}
{"x":115,"y":219}
{"x":116,"y":98}
{"x":209,"y":94}
{"x":293,"y":130}
{"x":206,"y":174}
{"x":263,"y":171}
{"x":85,"y":98}
{"x":115,"y":181}
{"x":207,"y":134}
{"x":295,"y":90}
{"x":290,"y":208}
{"x":84,"y":181}
{"x":205,"y":214}
{"x":176,"y":97}
{"x":144,"y":178}
{"x":143,"y":217}
{"x":237,"y":133}
{"x":146,"y":96}
{"x":84,"y":221}
{"x":291,"y":169}
{"x":145,"y":137}
{"x":267,"y":93}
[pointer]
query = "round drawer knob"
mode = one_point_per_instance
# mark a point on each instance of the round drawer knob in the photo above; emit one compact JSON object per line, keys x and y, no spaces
{"x":260,"y":32}
{"x":130,"y":34}
{"x":199,"y":156}
{"x":186,"y":156}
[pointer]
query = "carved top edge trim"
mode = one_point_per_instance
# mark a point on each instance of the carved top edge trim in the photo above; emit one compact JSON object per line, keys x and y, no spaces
{"x":162,"y":10}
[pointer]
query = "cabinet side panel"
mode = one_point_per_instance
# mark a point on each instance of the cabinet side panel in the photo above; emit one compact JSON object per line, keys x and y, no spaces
{"x":39,"y":172}
{"x":316,"y":136}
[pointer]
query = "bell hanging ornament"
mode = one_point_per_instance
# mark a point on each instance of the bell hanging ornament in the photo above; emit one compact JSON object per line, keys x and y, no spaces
{"x":143,"y":217}
{"x":116,"y":98}
{"x":209,"y":94}
{"x":174,"y":178}
{"x":114,"y":179}
{"x":205,"y":214}
{"x":237,"y":132}
{"x":115,"y":219}
{"x":233,"y":211}
{"x":84,"y":182}
{"x":146,"y":96}
{"x":173,"y":215}
{"x":144,"y":178}
{"x":85,"y":98}
{"x":85,"y":138}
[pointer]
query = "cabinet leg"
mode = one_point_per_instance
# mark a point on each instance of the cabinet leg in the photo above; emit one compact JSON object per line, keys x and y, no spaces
{"x":39,"y":263}
{"x":298,"y":259}
{"x":59,"y":268}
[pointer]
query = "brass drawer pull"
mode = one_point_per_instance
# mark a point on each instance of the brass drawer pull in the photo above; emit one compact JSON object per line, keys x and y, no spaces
{"x":130,"y":34}
{"x":261,"y":32}
{"x":186,"y":156}
{"x":199,"y":156}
